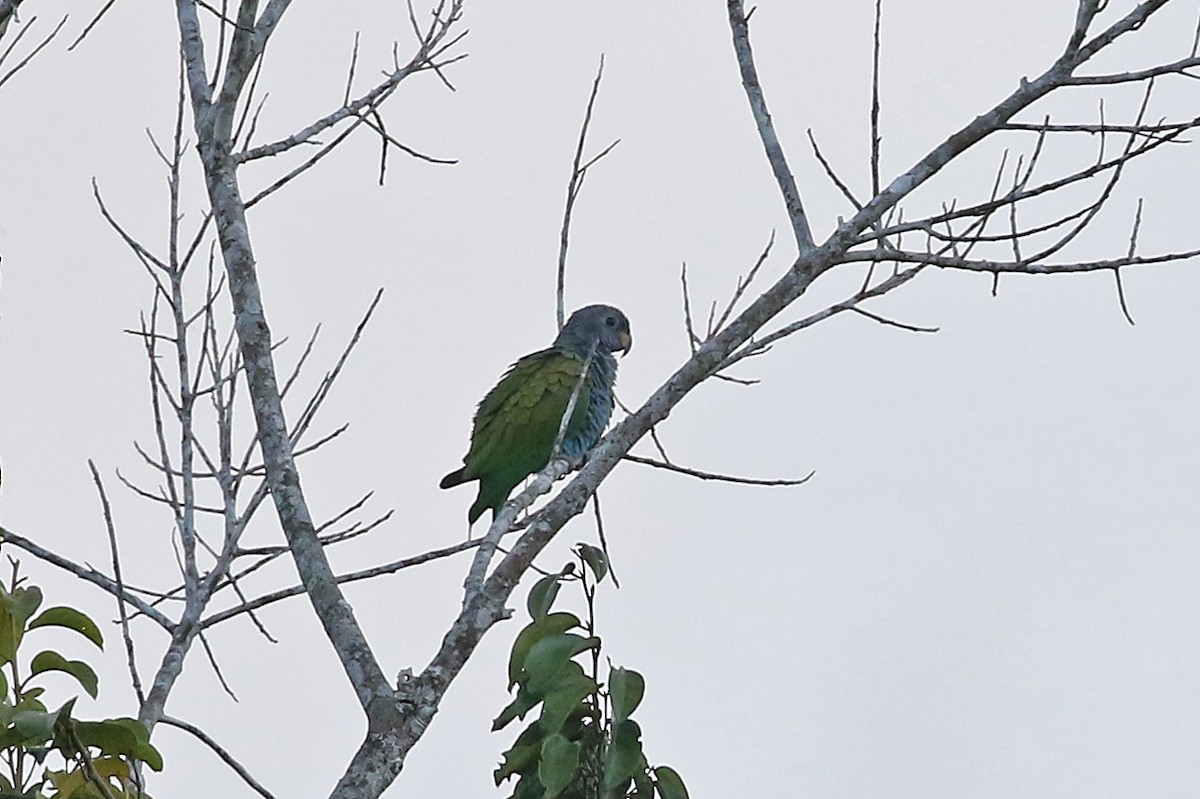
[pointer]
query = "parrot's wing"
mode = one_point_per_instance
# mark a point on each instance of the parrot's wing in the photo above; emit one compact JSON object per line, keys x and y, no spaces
{"x":518,"y":420}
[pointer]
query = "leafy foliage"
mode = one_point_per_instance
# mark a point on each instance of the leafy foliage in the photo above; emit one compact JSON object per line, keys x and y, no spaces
{"x":98,"y":756}
{"x":583,"y":745}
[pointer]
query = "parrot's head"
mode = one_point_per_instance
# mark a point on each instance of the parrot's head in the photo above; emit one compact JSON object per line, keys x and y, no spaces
{"x":596,"y":325}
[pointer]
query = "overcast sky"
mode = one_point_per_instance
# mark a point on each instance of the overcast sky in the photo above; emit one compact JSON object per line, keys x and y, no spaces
{"x":990,"y":587}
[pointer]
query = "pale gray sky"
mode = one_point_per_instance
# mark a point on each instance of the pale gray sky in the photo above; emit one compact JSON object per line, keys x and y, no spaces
{"x":991,"y":587}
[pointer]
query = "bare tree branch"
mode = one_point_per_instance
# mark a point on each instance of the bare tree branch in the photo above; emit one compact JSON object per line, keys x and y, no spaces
{"x":574,"y":186}
{"x":86,"y":573}
{"x":349,"y":577}
{"x":739,"y":22}
{"x":740,"y":288}
{"x":427,"y":57}
{"x":759,"y":345}
{"x":130,"y":659}
{"x":95,"y":21}
{"x":220,"y":752}
{"x":875,"y":139}
{"x":1031,"y":267}
{"x":722,"y":478}
{"x":963,"y":235}
{"x":1179,"y":67}
{"x":4,"y":20}
{"x":831,"y":174}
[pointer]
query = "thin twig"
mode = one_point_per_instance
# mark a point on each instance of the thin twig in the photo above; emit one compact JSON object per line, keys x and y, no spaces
{"x":565,"y":420}
{"x":574,"y":186}
{"x":364,"y":574}
{"x":426,"y":58}
{"x":723,"y":478}
{"x":875,"y":139}
{"x":1121,"y":295}
{"x":741,"y":287}
{"x":662,"y":451}
{"x":841,"y":186}
{"x":216,"y":667}
{"x":8,"y":10}
{"x":350,"y":75}
{"x":891,"y":322}
{"x":693,"y":339}
{"x":757,"y":346}
{"x":86,"y":573}
{"x":220,"y":752}
{"x":88,"y":28}
{"x":1032,"y":267}
{"x":130,"y":659}
{"x":36,"y":50}
{"x":84,"y":757}
{"x":304,"y":167}
{"x":314,"y":404}
{"x":1133,"y":240}
{"x":603,"y":541}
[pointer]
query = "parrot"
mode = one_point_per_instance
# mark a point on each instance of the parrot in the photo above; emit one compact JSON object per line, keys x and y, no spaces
{"x":517,"y":422}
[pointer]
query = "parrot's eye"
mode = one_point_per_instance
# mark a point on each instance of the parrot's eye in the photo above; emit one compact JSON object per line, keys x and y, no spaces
{"x":611,"y":321}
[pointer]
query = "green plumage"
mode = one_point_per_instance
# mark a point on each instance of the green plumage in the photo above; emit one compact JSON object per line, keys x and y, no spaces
{"x":516,"y":426}
{"x":517,"y":422}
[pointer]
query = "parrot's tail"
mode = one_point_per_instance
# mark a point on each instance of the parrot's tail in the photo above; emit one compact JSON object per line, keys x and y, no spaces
{"x":453,"y":479}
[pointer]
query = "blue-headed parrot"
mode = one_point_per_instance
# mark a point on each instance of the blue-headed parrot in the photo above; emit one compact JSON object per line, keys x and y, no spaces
{"x":518,"y":421}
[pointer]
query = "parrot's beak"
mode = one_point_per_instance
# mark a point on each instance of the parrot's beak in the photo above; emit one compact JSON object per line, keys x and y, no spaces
{"x":626,"y":343}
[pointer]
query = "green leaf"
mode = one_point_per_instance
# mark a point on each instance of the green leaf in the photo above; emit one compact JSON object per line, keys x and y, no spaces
{"x":624,"y":757}
{"x":108,"y":767}
{"x":516,"y":709}
{"x":15,"y":609}
{"x":542,"y":596}
{"x":563,"y":699}
{"x":26,"y":601}
{"x":72,"y":619}
{"x":39,"y":753}
{"x":134,"y":726}
{"x":643,"y":786}
{"x":516,"y":760}
{"x":626,"y":689}
{"x":528,"y":787}
{"x":82,"y":672}
{"x":29,"y":699}
{"x":560,"y":759}
{"x":12,"y":737}
{"x":530,"y":738}
{"x":669,"y":783}
{"x":596,"y":560}
{"x":10,"y":639}
{"x":148,"y":754}
{"x":143,"y":750}
{"x":69,"y":784}
{"x":570,"y":670}
{"x":550,"y":654}
{"x":34,"y":725}
{"x":553,"y":624}
{"x":110,"y":737}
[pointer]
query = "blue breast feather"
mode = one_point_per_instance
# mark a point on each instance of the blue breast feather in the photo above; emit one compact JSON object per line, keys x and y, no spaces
{"x":602,"y":374}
